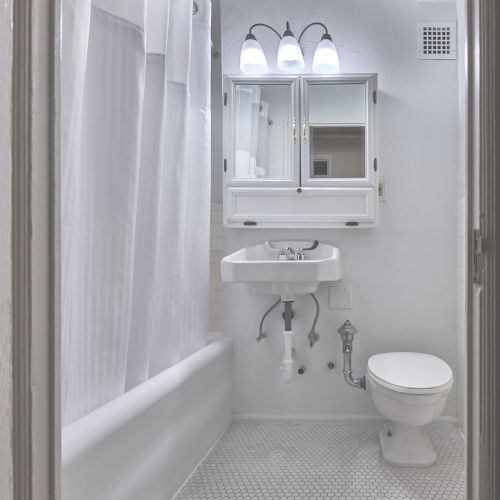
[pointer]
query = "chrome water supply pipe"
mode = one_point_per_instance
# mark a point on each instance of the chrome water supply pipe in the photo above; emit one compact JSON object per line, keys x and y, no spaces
{"x":347,"y":331}
{"x":313,"y":335}
{"x":262,"y":334}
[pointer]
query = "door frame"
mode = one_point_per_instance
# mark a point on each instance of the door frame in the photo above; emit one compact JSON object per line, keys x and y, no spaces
{"x":35,"y":330}
{"x":483,"y":415}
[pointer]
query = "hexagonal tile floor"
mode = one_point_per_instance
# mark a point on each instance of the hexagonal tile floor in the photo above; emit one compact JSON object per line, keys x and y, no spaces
{"x":322,"y":460}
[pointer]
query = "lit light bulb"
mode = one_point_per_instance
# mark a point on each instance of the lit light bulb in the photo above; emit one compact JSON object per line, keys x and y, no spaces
{"x":290,"y":57}
{"x":252,"y":58}
{"x":326,"y":58}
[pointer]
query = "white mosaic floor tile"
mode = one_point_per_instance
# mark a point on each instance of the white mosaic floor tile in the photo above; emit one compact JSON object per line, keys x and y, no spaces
{"x":324,"y":460}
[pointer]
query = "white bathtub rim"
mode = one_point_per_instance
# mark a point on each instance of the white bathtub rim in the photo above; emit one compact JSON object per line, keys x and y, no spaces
{"x":85,"y":433}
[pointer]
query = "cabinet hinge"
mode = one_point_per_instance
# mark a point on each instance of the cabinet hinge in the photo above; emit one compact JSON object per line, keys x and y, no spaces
{"x":225,"y":165}
{"x":375,"y":164}
{"x":374,"y":97}
{"x":478,"y":266}
{"x":225,"y":98}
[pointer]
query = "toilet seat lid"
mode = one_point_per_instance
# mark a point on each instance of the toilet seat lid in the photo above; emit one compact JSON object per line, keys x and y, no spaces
{"x":411,"y":371}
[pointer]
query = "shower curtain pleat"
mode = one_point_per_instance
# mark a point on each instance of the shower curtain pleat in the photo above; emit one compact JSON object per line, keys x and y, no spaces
{"x":198,"y":180}
{"x":135,"y":202}
{"x":147,"y":221}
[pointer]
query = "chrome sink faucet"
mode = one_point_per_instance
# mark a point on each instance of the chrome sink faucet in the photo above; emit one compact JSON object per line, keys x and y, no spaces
{"x":289,"y":253}
{"x":286,"y":254}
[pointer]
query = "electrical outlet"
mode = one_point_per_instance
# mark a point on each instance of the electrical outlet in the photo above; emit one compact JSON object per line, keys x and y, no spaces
{"x":340,"y":297}
{"x":382,"y":188}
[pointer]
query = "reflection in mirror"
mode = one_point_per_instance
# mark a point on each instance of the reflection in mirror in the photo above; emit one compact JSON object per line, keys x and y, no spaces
{"x":336,"y":103}
{"x":263,"y":132}
{"x":337,"y":152}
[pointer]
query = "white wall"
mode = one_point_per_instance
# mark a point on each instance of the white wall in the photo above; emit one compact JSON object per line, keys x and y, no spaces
{"x":403,"y":274}
{"x":216,"y":111}
{"x":6,"y":478}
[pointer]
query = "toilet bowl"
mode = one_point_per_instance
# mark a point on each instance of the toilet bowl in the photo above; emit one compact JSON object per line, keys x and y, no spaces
{"x":410,"y":389}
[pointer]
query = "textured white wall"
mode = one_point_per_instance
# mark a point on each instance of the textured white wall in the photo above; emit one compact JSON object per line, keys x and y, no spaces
{"x":216,"y":111}
{"x":6,"y":478}
{"x":403,"y":274}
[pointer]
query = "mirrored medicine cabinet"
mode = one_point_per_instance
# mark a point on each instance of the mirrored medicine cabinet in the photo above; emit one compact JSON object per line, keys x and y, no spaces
{"x":300,"y":151}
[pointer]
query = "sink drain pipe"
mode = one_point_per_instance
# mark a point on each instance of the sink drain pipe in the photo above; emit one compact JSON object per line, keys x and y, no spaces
{"x":287,"y":362}
{"x":347,"y":331}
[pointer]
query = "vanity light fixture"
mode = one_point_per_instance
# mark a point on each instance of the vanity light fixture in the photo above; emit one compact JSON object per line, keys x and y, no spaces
{"x":290,"y":58}
{"x":326,"y":58}
{"x":252,"y":57}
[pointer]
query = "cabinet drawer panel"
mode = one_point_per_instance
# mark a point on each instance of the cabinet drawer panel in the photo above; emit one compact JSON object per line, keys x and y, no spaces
{"x":311,"y":205}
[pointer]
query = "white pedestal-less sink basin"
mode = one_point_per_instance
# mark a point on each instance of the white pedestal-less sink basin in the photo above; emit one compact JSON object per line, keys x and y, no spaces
{"x":265,"y":271}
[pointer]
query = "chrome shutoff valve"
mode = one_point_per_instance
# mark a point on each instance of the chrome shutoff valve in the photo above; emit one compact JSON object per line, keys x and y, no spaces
{"x":347,"y":331}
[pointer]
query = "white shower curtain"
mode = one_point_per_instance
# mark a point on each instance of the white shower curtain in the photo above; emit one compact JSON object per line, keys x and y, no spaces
{"x":135,"y":142}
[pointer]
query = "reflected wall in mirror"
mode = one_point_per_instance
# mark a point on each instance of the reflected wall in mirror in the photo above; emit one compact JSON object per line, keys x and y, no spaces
{"x":263,"y":131}
{"x":336,"y":103}
{"x":337,"y":152}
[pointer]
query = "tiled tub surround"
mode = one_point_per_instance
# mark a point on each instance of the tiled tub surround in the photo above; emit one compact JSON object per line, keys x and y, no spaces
{"x":216,"y":254}
{"x":322,"y":460}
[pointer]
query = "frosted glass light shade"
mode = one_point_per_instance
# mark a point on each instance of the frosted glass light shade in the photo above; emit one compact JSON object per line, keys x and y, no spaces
{"x":326,"y":58}
{"x":290,"y":57}
{"x":252,"y":58}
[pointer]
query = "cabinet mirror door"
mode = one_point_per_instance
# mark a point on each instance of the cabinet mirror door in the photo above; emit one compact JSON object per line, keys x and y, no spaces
{"x":264,"y":133}
{"x":335,"y":146}
{"x":337,"y":152}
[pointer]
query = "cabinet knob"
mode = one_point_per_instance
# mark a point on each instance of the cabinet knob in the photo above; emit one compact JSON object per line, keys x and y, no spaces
{"x":299,"y":190}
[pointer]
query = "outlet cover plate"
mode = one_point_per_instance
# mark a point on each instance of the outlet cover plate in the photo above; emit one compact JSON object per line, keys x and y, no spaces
{"x":340,"y":297}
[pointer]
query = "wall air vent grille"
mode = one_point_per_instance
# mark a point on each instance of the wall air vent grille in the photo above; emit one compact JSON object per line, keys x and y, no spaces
{"x":437,"y":40}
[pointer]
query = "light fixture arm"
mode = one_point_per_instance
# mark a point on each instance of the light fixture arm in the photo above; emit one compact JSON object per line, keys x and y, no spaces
{"x":315,"y":24}
{"x":265,"y":26}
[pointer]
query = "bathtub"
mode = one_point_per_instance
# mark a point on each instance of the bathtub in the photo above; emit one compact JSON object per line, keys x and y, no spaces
{"x":145,"y":444}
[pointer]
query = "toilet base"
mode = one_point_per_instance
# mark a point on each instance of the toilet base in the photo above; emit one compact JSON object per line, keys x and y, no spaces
{"x":406,"y":445}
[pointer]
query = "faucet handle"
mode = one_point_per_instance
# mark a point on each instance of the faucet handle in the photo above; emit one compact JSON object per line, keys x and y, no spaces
{"x":282,"y":254}
{"x":312,"y":247}
{"x":299,"y":254}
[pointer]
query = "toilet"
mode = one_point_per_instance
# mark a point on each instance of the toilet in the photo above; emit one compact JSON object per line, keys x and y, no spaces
{"x":410,"y":389}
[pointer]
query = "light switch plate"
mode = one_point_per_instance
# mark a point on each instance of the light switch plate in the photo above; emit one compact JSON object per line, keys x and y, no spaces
{"x":340,"y":297}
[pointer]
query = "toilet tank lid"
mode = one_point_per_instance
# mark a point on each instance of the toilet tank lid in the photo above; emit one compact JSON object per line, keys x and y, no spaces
{"x":412,"y":370}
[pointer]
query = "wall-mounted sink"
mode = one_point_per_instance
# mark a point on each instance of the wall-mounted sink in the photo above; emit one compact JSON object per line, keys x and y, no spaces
{"x":261,"y":268}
